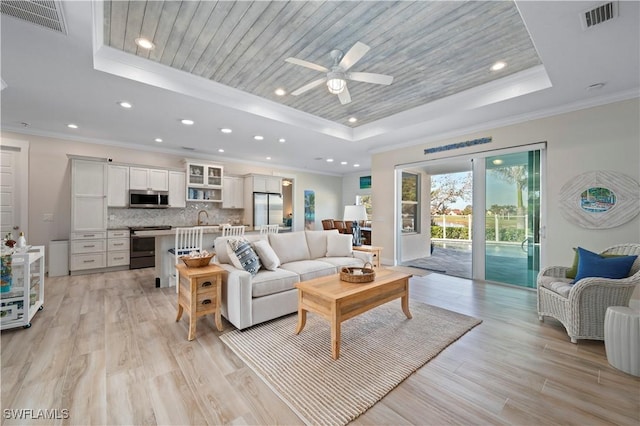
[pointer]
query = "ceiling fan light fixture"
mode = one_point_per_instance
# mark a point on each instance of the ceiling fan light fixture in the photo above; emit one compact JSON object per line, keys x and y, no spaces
{"x":336,"y":83}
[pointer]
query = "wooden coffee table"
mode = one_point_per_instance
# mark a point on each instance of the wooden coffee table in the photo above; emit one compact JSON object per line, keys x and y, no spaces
{"x":337,"y":301}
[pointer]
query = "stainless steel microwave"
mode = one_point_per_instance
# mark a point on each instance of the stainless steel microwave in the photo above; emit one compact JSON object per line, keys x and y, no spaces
{"x":148,"y":199}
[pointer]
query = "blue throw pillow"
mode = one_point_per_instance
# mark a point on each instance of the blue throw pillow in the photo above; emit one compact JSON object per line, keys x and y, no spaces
{"x":593,"y":265}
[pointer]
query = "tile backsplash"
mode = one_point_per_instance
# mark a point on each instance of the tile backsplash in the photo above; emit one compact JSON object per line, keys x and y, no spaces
{"x":175,"y":217}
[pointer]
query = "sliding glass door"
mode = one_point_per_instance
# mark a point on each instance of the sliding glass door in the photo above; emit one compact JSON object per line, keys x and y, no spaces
{"x":512,"y":218}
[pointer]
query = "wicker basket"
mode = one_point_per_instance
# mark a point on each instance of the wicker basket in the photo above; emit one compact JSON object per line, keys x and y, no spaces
{"x":196,"y":262}
{"x":361,"y":275}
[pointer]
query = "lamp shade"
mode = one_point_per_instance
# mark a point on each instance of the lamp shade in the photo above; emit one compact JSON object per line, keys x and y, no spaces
{"x":355,"y":213}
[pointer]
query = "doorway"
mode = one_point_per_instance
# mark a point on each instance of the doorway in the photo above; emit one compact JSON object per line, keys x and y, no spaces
{"x":14,"y":187}
{"x":497,"y":235}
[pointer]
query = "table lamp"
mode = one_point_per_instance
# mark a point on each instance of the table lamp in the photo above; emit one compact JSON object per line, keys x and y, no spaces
{"x":355,"y":214}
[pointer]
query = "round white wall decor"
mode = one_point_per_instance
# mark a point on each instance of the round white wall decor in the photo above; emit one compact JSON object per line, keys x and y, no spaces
{"x":600,"y":199}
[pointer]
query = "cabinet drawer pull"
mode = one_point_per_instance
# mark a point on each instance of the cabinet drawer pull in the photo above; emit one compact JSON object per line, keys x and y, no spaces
{"x":206,"y":302}
{"x":88,"y":261}
{"x":91,"y":246}
{"x":118,"y":244}
{"x":118,"y":258}
{"x":206,"y":284}
{"x":89,"y":235}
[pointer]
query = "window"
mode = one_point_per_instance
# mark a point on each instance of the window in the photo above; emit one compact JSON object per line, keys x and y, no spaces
{"x":410,"y":203}
{"x":366,"y":201}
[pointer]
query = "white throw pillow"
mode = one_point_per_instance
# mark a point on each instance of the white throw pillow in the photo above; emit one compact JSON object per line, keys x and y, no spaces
{"x":242,"y":255}
{"x":267,"y":256}
{"x":339,"y":245}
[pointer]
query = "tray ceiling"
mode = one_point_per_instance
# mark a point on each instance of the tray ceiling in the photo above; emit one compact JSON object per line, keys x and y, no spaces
{"x":432,"y":49}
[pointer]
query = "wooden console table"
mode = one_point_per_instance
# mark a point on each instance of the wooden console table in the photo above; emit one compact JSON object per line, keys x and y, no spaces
{"x":199,"y":294}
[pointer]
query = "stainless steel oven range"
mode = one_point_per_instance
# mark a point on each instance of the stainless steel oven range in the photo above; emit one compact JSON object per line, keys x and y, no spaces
{"x":143,"y":247}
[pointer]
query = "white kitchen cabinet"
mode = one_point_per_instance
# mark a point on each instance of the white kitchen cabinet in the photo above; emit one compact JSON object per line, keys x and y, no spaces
{"x":118,"y":247}
{"x":204,"y":182}
{"x":26,"y":297}
{"x":148,"y":179}
{"x":233,"y":193}
{"x":271,"y":184}
{"x":117,"y":186}
{"x":88,"y":215}
{"x":177,"y":188}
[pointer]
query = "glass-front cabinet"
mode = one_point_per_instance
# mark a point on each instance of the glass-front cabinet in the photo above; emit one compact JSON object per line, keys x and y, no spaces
{"x":204,"y":182}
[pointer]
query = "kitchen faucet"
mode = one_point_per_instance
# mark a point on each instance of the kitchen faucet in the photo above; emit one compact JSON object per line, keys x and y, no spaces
{"x":205,"y":212}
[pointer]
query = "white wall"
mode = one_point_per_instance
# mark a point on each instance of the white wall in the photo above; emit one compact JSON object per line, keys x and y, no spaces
{"x":600,"y":138}
{"x":351,"y":188}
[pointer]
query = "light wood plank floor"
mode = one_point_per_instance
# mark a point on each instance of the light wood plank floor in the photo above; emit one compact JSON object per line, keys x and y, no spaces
{"x":107,"y":348}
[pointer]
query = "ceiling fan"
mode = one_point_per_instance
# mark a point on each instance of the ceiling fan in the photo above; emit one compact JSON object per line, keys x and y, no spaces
{"x":338,"y":75}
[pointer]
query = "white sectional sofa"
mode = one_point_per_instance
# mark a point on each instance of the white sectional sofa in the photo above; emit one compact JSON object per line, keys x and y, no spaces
{"x":248,"y":300}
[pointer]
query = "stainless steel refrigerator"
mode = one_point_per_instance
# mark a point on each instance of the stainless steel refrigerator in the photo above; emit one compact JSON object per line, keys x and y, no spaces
{"x":267,"y":209}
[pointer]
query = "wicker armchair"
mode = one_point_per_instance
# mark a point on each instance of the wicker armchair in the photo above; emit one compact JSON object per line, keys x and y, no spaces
{"x":581,"y":307}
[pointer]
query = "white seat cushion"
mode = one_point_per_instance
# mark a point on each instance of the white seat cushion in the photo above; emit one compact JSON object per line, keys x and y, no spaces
{"x":270,"y":282}
{"x":562,"y":286}
{"x":339,"y":262}
{"x":309,"y":269}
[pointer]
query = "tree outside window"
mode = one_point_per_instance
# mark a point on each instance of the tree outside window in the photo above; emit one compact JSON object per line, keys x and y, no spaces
{"x":366,"y":201}
{"x":410,"y":203}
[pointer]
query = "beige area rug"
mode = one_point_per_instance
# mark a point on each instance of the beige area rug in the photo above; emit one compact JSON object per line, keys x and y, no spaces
{"x":409,"y":270}
{"x":379,"y":349}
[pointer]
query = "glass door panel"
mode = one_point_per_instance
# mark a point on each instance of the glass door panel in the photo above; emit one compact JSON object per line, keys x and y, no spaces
{"x":512,"y":222}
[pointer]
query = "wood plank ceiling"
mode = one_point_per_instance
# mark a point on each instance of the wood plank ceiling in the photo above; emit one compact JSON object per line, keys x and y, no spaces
{"x":432,"y":49}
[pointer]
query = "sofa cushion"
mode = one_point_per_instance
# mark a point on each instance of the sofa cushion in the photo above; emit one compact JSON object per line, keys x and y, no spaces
{"x":267,"y":282}
{"x":339,"y":245}
{"x":242,"y":255}
{"x":309,"y":269}
{"x":220,"y":246}
{"x":317,"y":242}
{"x":339,"y":262}
{"x":290,"y":246}
{"x":268,"y":257}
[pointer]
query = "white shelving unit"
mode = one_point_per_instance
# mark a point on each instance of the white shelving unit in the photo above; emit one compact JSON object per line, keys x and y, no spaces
{"x":26,"y":297}
{"x":204,"y":182}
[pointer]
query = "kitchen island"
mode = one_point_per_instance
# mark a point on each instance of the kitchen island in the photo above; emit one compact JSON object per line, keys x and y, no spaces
{"x":165,"y":240}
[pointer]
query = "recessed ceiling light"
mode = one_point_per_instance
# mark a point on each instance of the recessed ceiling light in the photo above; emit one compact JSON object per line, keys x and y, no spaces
{"x":329,"y":160}
{"x":145,"y":43}
{"x":344,"y":163}
{"x":187,"y":122}
{"x":498,"y":66}
{"x":72,"y":126}
{"x":282,"y":140}
{"x":220,"y":150}
{"x":268,"y":158}
{"x":356,"y":165}
{"x":125,"y":104}
{"x":226,"y":130}
{"x":280,"y":92}
{"x":497,"y":161}
{"x":258,"y":137}
{"x":158,"y":140}
{"x":352,"y":119}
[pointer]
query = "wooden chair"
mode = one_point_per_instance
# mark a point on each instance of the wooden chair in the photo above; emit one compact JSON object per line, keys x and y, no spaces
{"x":186,"y":241}
{"x":348,"y":227}
{"x":232,"y":231}
{"x":269,"y":229}
{"x":327,"y":224}
{"x":340,"y":226}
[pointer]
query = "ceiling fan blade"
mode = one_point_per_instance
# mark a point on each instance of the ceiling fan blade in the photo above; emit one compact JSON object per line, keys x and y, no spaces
{"x":354,"y":54}
{"x":306,"y":64}
{"x":309,"y":86}
{"x":369,"y":77}
{"x":344,"y":96}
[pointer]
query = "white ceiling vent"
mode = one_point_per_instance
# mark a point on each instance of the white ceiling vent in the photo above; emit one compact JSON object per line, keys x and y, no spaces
{"x":599,"y":14}
{"x":47,"y":14}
